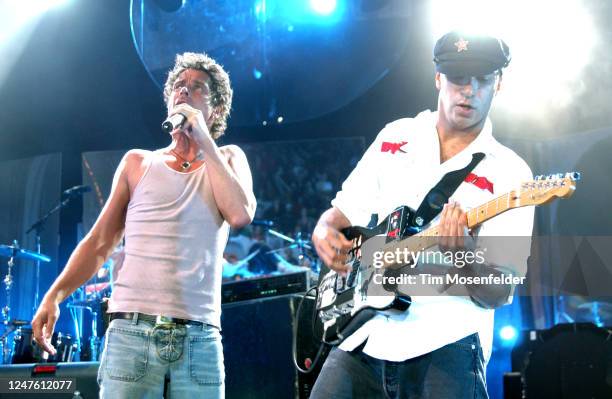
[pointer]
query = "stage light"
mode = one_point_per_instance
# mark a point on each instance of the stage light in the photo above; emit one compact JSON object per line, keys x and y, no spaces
{"x":52,"y":3}
{"x":299,"y":12}
{"x":18,"y":20}
{"x":16,"y":16}
{"x":508,"y":334}
{"x":35,"y":7}
{"x":260,"y":9}
{"x":323,"y":7}
{"x":551,"y":43}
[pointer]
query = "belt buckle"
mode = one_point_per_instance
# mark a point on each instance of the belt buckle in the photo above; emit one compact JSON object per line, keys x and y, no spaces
{"x":164,"y":322}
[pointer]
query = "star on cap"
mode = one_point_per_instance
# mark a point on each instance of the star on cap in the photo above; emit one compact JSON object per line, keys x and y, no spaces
{"x":461,"y":45}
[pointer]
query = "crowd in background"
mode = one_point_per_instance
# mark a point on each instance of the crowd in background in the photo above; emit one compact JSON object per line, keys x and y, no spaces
{"x":294,"y":182}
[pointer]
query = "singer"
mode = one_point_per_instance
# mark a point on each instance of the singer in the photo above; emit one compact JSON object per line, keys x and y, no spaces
{"x":174,"y":206}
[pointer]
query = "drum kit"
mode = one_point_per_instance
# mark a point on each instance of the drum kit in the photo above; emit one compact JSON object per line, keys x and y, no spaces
{"x":290,"y":255}
{"x":89,"y":301}
{"x":23,"y":343}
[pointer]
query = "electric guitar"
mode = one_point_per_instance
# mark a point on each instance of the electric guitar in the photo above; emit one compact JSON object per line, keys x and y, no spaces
{"x":344,"y":304}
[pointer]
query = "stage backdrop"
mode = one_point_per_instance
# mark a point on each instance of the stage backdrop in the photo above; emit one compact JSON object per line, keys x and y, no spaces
{"x":30,"y":188}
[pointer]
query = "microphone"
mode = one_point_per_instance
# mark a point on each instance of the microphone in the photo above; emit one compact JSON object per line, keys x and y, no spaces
{"x":76,"y":190}
{"x":173,"y":122}
{"x":262,"y":222}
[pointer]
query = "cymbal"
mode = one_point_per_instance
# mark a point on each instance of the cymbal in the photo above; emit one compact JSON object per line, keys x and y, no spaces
{"x":8,"y":251}
{"x":16,"y":323}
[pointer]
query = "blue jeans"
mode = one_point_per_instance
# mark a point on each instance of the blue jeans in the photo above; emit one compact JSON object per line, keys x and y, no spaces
{"x":138,"y":357}
{"x":455,"y":371}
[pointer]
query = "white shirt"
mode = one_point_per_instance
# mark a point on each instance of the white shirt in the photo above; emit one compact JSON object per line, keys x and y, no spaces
{"x":392,"y":174}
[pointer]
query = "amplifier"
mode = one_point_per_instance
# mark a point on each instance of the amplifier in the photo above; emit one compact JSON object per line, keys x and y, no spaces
{"x":263,"y":287}
{"x":257,"y":345}
{"x":572,"y":361}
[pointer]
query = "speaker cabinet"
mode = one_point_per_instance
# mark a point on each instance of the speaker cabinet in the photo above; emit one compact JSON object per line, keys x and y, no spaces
{"x":257,"y":344}
{"x":570,"y":361}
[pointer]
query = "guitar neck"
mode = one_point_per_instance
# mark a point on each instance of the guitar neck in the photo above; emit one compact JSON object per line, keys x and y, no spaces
{"x":476,"y":216}
{"x":481,"y":214}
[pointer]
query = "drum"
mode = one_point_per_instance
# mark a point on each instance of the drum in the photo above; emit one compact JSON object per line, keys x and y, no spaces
{"x":66,"y":349}
{"x":26,"y":350}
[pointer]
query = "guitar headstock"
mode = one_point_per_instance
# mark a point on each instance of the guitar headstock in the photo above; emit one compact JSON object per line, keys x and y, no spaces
{"x":547,"y":188}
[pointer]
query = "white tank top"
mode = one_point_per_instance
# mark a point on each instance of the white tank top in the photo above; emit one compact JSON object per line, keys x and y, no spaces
{"x":174,"y":241}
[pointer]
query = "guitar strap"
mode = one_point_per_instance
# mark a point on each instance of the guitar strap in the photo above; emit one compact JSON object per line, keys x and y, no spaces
{"x":438,"y":196}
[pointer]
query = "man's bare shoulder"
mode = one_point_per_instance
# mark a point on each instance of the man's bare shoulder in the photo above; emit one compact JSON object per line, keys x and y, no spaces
{"x":135,"y":159}
{"x":133,"y":165}
{"x":136,"y":155}
{"x":232,"y":151}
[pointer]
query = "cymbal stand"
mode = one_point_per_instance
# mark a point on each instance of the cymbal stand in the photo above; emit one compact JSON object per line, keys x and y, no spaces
{"x":94,"y":340}
{"x":6,"y":310}
{"x":296,"y":243}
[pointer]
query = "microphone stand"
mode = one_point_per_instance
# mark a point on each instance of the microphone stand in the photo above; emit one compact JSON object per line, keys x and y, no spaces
{"x":39,"y":226}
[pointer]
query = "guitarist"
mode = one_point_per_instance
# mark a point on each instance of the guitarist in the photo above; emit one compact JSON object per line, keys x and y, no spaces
{"x":439,"y":348}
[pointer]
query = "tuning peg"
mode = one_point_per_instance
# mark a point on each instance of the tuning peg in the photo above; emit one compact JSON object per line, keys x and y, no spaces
{"x":573,"y":175}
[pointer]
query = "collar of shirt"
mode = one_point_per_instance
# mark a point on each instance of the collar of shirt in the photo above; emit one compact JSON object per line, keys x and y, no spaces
{"x":482,"y":143}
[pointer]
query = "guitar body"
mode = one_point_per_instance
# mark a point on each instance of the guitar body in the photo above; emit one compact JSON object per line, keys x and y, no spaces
{"x":344,"y":304}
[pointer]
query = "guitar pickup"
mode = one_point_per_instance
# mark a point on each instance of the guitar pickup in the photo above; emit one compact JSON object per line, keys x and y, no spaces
{"x":396,"y":223}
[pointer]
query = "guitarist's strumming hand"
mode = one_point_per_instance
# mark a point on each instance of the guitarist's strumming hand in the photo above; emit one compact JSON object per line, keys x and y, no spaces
{"x":331,"y":245}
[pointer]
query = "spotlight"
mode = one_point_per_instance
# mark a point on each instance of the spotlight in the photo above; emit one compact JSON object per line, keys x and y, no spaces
{"x":18,"y":20}
{"x":260,"y":9}
{"x":293,"y":12}
{"x":323,"y":7}
{"x":507,"y":334}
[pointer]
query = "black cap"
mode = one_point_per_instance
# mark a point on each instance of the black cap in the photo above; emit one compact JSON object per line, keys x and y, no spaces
{"x":457,"y":54}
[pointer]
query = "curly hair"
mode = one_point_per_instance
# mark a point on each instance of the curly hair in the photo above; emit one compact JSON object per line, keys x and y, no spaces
{"x":220,"y":89}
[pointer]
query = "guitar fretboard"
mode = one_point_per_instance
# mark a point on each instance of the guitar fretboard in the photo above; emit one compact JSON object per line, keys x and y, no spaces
{"x":476,"y":216}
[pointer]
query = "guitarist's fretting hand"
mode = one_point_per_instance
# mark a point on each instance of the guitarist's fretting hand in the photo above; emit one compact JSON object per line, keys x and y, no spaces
{"x":455,"y":236}
{"x":454,"y":233}
{"x":331,"y":245}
